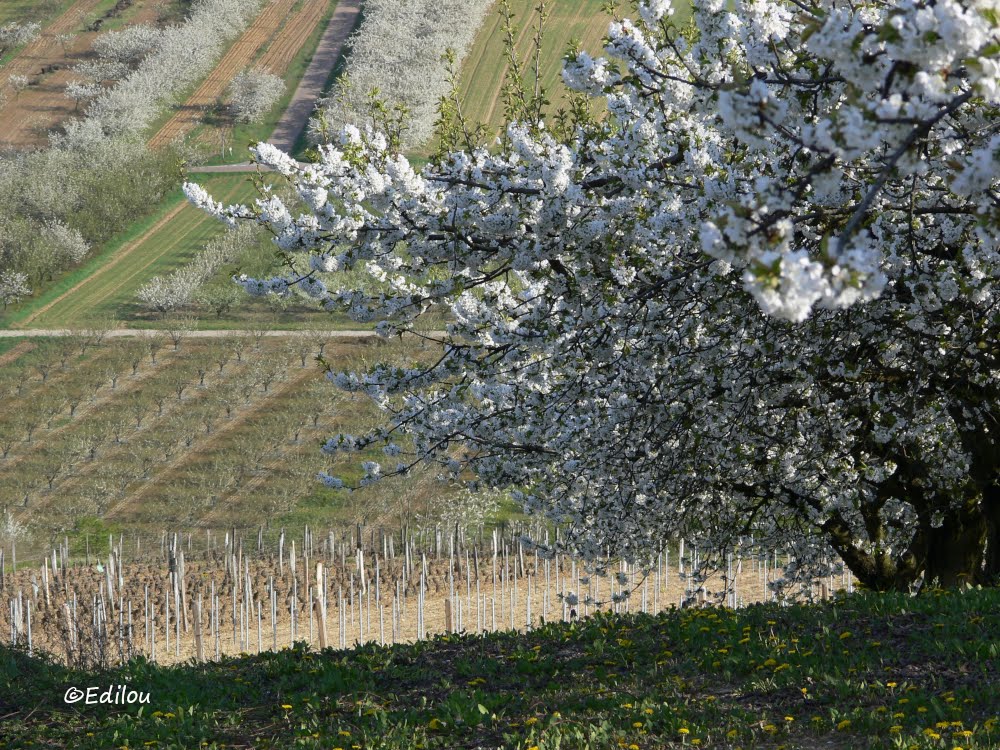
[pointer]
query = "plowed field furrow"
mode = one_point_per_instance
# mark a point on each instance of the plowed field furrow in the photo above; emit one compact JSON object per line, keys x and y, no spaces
{"x":292,"y":36}
{"x":27,"y":118}
{"x":45,"y":47}
{"x":239,"y":56}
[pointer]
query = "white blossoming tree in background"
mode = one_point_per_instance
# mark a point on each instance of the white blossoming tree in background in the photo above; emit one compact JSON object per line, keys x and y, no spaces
{"x":760,"y":297}
{"x":17,"y":34}
{"x":253,"y":93}
{"x":13,"y":287}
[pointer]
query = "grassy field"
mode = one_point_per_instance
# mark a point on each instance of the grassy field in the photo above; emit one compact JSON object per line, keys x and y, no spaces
{"x":484,"y":67}
{"x":866,"y":671}
{"x":106,"y":284}
{"x":31,"y":10}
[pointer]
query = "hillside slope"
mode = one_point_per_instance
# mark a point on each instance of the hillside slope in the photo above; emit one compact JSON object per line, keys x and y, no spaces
{"x":870,"y":671}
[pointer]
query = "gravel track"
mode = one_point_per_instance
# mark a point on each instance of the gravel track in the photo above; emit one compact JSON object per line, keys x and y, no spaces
{"x":296,"y":117}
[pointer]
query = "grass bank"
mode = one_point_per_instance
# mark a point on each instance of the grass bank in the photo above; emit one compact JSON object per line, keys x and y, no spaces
{"x":872,"y":671}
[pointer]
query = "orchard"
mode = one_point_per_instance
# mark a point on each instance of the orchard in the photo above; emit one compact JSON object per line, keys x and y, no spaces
{"x":756,"y":300}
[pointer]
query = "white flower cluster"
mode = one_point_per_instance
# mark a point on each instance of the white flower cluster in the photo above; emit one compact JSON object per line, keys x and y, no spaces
{"x":120,"y":52}
{"x":253,"y":93}
{"x":16,"y":34}
{"x":399,"y":50}
{"x":13,"y":287}
{"x":758,"y":299}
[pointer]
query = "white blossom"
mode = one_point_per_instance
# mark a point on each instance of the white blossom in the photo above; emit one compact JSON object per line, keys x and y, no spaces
{"x":757,"y":299}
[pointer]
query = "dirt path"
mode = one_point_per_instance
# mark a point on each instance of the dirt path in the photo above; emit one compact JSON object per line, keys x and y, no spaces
{"x":296,"y":117}
{"x":239,"y":56}
{"x":112,"y":261}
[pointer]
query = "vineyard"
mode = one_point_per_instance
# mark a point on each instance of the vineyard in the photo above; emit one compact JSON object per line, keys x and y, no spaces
{"x":205,"y":595}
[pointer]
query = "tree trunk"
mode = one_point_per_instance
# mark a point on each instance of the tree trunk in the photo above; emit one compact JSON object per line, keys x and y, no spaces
{"x":955,"y":550}
{"x":964,"y":550}
{"x":990,"y":574}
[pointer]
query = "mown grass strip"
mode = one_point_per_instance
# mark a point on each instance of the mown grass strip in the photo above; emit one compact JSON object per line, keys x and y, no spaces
{"x":174,"y":243}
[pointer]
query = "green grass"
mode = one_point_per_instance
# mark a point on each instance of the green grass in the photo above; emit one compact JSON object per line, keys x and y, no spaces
{"x":483,"y":69}
{"x":31,"y":10}
{"x":17,"y":313}
{"x":24,"y":11}
{"x":867,"y":671}
{"x":110,"y":290}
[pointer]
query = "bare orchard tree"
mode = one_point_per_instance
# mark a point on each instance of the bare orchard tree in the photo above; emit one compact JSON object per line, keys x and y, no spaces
{"x":221,"y":354}
{"x":154,"y":341}
{"x":180,"y":327}
{"x":135,"y":352}
{"x":9,"y":437}
{"x":138,"y":407}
